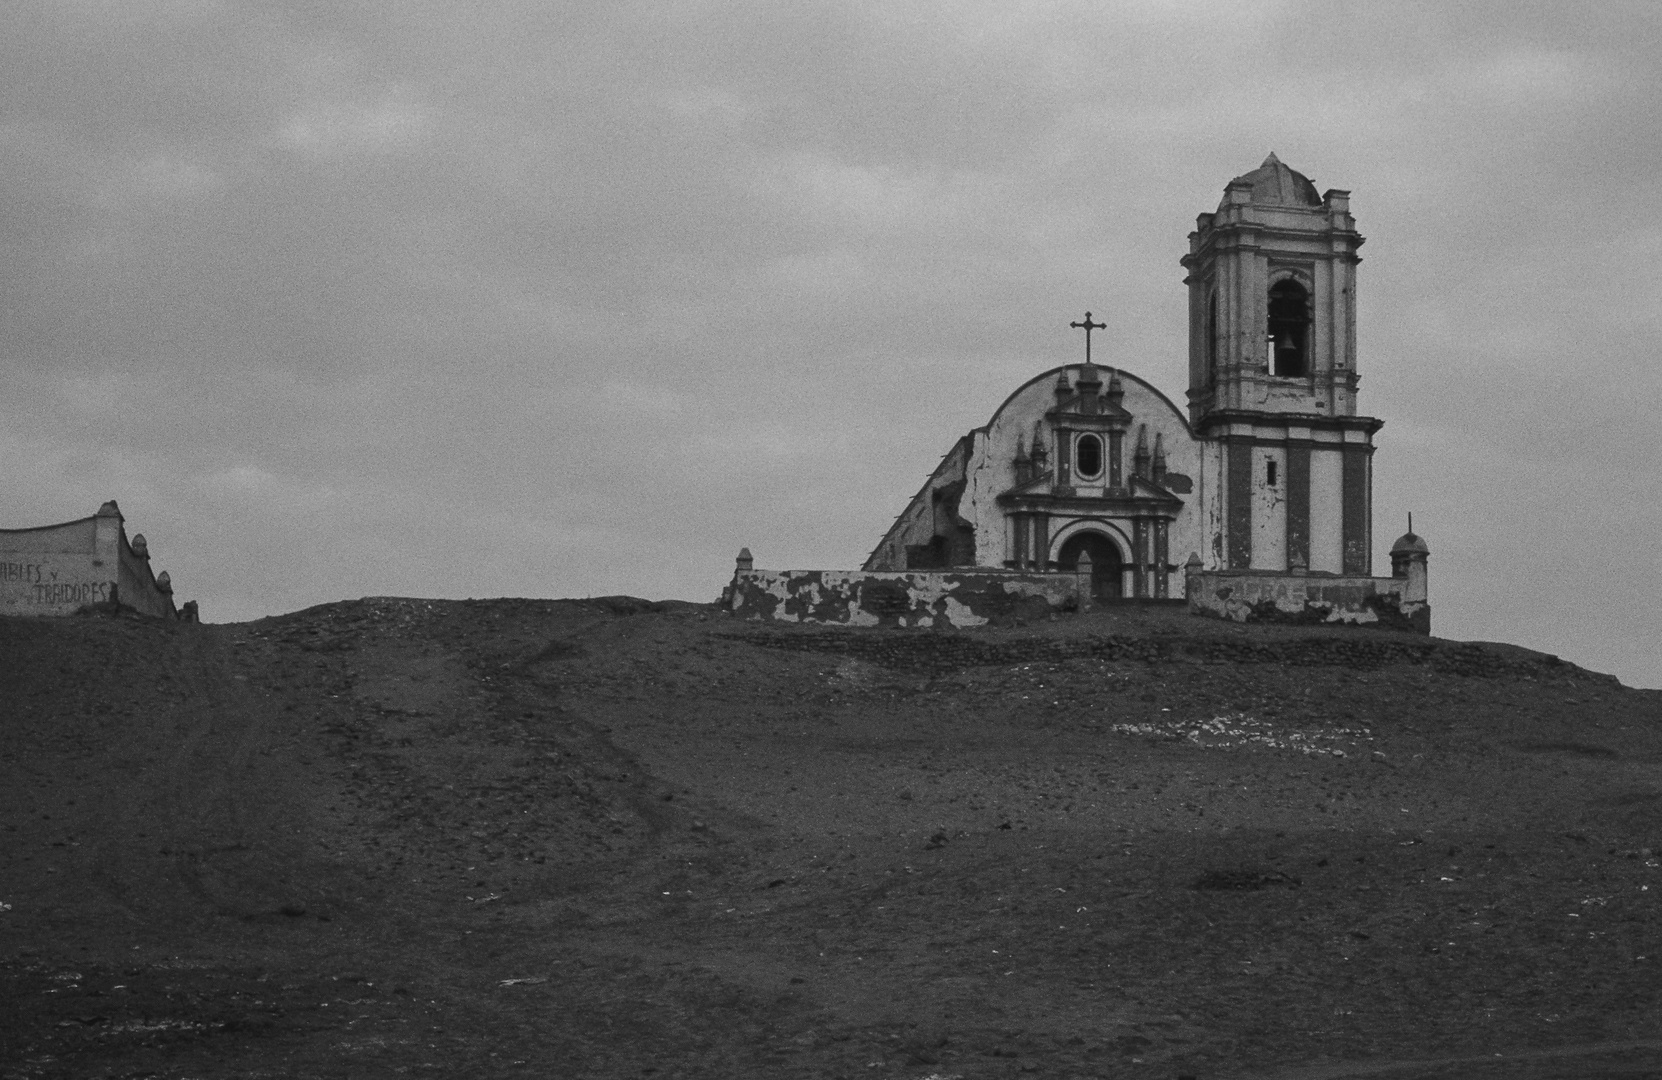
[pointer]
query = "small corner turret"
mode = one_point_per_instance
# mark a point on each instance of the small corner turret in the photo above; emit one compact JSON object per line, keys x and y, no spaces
{"x":1409,"y":558}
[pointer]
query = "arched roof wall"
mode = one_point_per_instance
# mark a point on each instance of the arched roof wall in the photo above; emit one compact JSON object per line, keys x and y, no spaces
{"x":992,"y":466}
{"x":1048,"y":378}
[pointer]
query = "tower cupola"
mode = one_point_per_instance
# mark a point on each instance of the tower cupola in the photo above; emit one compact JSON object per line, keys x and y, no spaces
{"x":1272,"y":299}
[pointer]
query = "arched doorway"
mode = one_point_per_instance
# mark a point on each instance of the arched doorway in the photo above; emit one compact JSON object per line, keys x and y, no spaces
{"x":1107,"y":567}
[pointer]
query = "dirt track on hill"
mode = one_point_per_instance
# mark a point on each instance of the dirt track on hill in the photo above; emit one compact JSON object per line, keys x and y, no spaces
{"x":608,"y":838}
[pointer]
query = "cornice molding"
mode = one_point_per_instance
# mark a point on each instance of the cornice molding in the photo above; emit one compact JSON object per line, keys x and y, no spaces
{"x":1128,"y":506}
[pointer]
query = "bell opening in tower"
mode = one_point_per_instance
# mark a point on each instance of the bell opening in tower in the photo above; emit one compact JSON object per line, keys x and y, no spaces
{"x":1289,"y":330}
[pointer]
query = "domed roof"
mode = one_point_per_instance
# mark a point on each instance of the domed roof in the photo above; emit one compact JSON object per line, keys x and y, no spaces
{"x":1410,"y":542}
{"x":1275,"y":184}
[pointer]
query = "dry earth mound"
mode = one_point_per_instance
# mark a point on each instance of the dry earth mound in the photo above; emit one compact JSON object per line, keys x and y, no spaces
{"x":615,"y":838}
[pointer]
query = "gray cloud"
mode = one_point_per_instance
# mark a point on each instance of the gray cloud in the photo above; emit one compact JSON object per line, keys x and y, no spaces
{"x":526,"y":299}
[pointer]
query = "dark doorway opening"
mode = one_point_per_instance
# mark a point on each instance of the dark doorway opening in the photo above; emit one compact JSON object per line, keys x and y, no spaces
{"x":1107,"y":568}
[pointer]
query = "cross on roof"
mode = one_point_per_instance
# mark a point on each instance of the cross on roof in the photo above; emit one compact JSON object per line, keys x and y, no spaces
{"x":1088,"y":326}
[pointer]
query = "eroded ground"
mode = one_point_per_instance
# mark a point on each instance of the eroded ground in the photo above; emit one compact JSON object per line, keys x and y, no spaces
{"x":395,"y":837}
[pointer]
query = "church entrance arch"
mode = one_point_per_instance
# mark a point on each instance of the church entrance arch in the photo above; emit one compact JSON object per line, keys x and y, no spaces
{"x":1107,"y":565}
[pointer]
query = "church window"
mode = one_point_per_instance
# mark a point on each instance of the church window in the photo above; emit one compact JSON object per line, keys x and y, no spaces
{"x":1289,"y":329}
{"x":1089,"y":456}
{"x":1269,"y":474}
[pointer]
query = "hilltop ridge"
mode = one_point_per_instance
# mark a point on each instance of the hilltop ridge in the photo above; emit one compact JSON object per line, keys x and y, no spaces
{"x":613,"y":837}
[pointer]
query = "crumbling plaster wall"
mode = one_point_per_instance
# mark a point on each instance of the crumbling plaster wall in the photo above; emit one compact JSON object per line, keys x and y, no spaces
{"x":1210,"y":486}
{"x":1269,"y":508}
{"x":918,"y":523}
{"x":939,"y":598}
{"x":1253,"y":596}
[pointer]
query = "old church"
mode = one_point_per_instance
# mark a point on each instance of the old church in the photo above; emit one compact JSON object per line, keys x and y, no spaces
{"x":1268,"y":469}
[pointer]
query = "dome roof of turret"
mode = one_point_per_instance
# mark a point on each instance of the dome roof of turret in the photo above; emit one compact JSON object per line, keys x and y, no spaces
{"x":1410,"y":542}
{"x":1275,"y":184}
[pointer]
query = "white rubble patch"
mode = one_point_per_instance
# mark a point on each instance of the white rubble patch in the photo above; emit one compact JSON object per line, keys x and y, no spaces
{"x":1240,"y":730}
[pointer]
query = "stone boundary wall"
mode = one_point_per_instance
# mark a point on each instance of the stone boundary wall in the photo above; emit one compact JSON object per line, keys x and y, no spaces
{"x":943,"y":654}
{"x":1266,"y":596}
{"x":80,"y":565}
{"x":933,"y":598}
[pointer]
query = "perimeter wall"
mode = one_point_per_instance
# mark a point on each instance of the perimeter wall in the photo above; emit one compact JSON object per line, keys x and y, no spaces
{"x":61,"y":569}
{"x":936,"y":598}
{"x":1266,"y":596}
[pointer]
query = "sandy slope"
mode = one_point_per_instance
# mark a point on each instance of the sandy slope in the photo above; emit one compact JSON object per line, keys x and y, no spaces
{"x":606,"y":838}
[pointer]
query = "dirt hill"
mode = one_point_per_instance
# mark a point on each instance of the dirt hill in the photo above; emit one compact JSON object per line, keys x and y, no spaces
{"x":610,"y":838}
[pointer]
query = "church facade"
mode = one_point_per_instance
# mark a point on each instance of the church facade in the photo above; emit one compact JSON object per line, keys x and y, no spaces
{"x":1268,"y":469}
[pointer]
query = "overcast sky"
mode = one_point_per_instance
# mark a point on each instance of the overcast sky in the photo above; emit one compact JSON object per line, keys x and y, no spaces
{"x":540,"y":299}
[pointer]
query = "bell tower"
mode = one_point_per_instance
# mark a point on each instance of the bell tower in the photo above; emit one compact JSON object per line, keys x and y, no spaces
{"x":1273,"y":377}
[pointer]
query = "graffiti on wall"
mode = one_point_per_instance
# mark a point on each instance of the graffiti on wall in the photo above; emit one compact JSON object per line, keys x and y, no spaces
{"x":37,"y":583}
{"x":85,"y":592}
